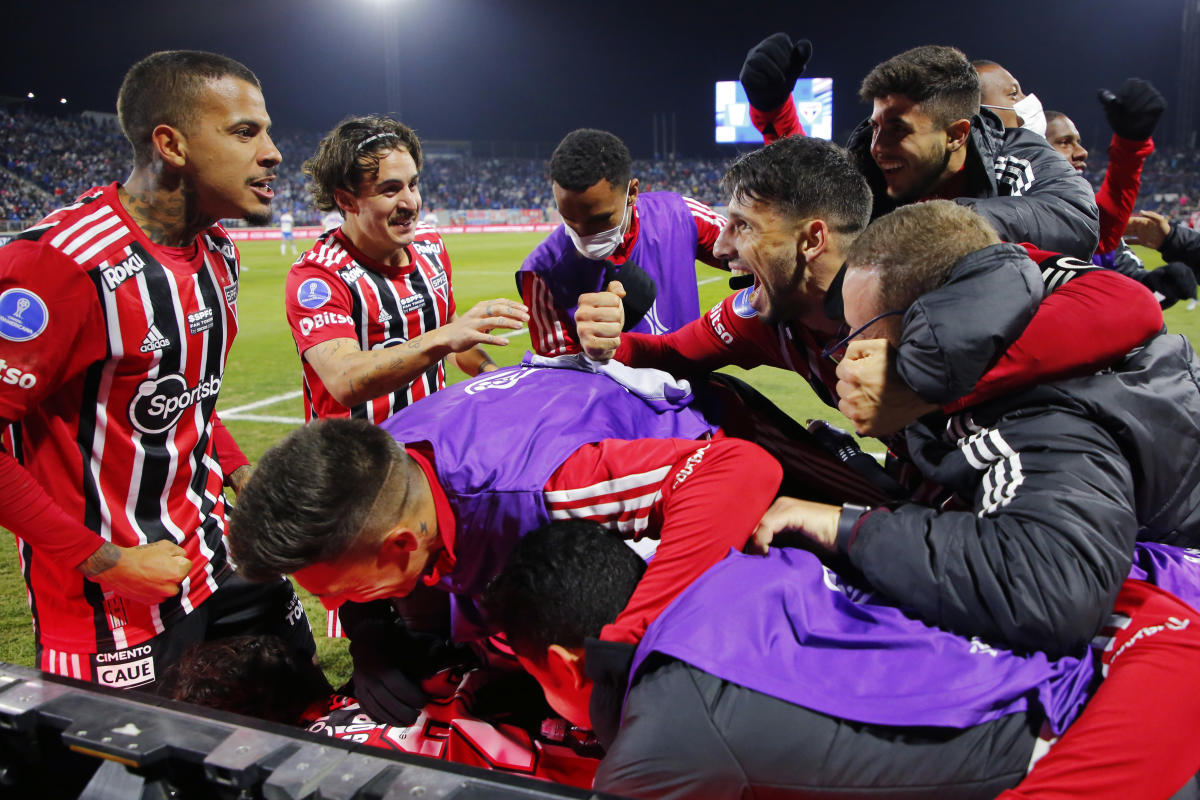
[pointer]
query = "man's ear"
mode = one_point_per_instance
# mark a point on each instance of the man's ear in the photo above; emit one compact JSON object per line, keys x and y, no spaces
{"x":633,"y":188}
{"x":346,"y":201}
{"x":957,"y":134}
{"x":566,"y":666}
{"x":170,"y":144}
{"x":398,"y":545}
{"x":812,"y":239}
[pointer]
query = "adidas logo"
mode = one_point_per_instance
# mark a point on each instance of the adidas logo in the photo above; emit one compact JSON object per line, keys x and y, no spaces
{"x":154,"y":340}
{"x":384,"y":316}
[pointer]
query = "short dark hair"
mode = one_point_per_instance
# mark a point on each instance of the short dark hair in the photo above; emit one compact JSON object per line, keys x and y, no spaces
{"x":586,"y":156}
{"x":163,"y":89}
{"x":804,"y":177}
{"x":1053,"y":115}
{"x":316,"y":494}
{"x":939,"y":78}
{"x":253,"y":675}
{"x":915,"y":247}
{"x":352,"y":151}
{"x":562,"y":584}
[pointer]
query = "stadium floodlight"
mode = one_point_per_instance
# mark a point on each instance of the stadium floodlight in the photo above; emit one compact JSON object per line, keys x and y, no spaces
{"x":62,"y":100}
{"x":29,"y":95}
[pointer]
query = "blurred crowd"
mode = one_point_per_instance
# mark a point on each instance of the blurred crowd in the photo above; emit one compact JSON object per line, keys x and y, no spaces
{"x":47,"y":159}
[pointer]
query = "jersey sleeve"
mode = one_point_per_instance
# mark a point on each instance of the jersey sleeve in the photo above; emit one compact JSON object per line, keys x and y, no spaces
{"x":1087,"y":323}
{"x":1118,"y":193}
{"x":551,"y":330}
{"x":709,"y":225}
{"x":690,"y":513}
{"x":1037,"y":561}
{"x":318,"y":307}
{"x":778,"y":124}
{"x":51,"y":325}
{"x":721,"y":338}
{"x":52,"y":332}
{"x":229,"y":455}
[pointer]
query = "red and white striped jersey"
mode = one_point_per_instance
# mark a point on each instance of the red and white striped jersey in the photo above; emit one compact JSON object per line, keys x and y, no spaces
{"x":334,"y":291}
{"x":551,"y":329}
{"x":674,"y":490}
{"x":116,"y":348}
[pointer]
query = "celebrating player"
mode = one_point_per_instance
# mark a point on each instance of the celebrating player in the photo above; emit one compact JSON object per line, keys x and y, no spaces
{"x":370,"y":305}
{"x":116,"y":317}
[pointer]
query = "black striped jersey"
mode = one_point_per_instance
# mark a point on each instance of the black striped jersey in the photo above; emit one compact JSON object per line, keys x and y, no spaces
{"x":118,"y":348}
{"x":334,"y":291}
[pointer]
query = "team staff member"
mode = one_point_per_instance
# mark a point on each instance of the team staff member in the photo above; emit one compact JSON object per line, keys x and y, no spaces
{"x":610,"y":230}
{"x":116,"y":317}
{"x":926,"y":138}
{"x":445,"y":509}
{"x":371,"y":305}
{"x":829,"y":693}
{"x":795,"y":208}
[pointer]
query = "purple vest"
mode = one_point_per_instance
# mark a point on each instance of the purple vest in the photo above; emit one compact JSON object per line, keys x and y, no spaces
{"x":790,"y":628}
{"x":665,"y":248}
{"x":1175,"y":569}
{"x":498,"y":438}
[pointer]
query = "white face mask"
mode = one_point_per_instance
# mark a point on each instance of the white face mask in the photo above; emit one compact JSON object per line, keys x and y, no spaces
{"x":599,"y":246}
{"x":1029,"y":111}
{"x":1033,"y":117}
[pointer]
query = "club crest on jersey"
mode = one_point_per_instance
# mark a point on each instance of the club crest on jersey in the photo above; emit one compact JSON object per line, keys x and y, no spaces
{"x":23,"y":315}
{"x":117,"y":274}
{"x":154,"y":340}
{"x":439,"y":284}
{"x":160,"y":403}
{"x":741,"y":303}
{"x":313,"y":293}
{"x":231,"y":292}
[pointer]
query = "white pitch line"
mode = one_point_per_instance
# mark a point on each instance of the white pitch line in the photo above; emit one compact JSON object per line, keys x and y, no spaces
{"x":511,"y":334}
{"x":263,"y":418}
{"x":279,"y":398}
{"x":711,"y":280}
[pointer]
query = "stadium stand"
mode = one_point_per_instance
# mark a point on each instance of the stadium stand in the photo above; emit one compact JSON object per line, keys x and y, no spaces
{"x":47,"y":159}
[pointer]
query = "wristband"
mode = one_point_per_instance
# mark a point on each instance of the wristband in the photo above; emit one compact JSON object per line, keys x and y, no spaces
{"x":847,"y":521}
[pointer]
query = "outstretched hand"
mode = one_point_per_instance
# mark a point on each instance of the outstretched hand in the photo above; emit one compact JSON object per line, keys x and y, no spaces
{"x":816,"y":521}
{"x":599,"y":320}
{"x":771,"y":69}
{"x":1134,"y":109}
{"x":1148,"y":229}
{"x":470,"y":329}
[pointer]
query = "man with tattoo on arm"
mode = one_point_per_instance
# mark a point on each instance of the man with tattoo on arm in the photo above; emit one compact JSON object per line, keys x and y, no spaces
{"x":116,"y":317}
{"x":370,"y":305}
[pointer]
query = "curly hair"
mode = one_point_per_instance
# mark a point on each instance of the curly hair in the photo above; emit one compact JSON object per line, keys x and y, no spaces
{"x":352,"y":151}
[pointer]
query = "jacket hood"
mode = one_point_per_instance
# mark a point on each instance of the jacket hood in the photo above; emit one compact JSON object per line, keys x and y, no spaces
{"x":954,"y":334}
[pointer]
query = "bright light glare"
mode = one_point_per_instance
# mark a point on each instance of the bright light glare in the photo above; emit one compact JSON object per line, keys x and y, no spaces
{"x":29,"y":95}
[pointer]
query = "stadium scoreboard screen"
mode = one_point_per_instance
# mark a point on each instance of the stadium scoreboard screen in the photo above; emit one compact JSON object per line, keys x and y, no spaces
{"x":814,"y":103}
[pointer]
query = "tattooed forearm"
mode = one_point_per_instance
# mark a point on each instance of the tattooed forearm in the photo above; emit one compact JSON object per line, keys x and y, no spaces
{"x":103,"y":559}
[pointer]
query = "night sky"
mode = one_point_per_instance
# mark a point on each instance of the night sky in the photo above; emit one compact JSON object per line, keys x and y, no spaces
{"x":529,"y":71}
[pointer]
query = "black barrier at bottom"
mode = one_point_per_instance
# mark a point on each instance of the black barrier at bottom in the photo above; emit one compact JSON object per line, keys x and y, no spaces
{"x":61,"y":738}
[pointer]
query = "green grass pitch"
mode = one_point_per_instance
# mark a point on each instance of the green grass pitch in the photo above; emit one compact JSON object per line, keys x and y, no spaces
{"x":264,"y":365}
